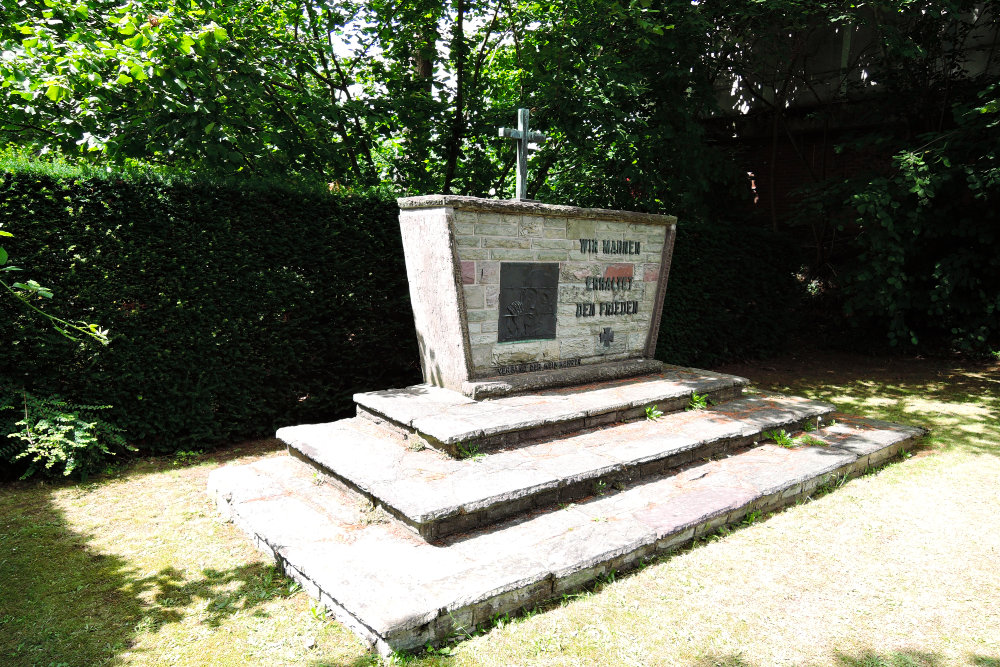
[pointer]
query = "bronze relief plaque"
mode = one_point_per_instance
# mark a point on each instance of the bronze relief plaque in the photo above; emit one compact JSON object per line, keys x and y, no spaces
{"x":529,"y":294}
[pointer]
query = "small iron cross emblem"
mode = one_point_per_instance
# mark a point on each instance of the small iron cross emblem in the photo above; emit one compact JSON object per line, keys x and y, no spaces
{"x":607,"y":336}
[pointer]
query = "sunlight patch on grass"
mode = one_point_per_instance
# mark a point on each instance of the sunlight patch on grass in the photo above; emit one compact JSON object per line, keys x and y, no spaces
{"x":963,"y":410}
{"x":878,"y":402}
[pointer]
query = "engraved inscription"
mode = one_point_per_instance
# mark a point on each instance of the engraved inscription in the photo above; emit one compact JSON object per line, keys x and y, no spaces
{"x":610,"y":247}
{"x":536,"y":366}
{"x":529,"y":293}
{"x":620,"y":283}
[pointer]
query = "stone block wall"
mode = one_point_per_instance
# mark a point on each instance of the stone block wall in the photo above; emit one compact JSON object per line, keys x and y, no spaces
{"x":485,"y":239}
{"x":612,"y":270}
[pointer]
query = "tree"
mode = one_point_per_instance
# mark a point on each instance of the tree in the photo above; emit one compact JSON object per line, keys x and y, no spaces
{"x":409,"y":93}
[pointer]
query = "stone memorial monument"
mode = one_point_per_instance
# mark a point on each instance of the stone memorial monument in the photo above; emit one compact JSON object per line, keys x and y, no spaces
{"x":523,"y":291}
{"x":546,"y":446}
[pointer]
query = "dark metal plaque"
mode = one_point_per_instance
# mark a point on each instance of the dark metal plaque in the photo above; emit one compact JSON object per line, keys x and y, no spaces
{"x":529,"y":293}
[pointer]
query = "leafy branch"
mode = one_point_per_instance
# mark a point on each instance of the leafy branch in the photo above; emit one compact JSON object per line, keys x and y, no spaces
{"x":25,"y":292}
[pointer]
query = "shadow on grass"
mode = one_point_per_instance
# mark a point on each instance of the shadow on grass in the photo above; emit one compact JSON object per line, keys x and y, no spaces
{"x":63,"y":602}
{"x":959,"y":403}
{"x":891,"y":659}
{"x":862,"y":659}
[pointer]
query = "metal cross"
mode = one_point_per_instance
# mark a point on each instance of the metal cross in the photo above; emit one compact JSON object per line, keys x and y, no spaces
{"x":607,"y":336}
{"x":523,"y":136}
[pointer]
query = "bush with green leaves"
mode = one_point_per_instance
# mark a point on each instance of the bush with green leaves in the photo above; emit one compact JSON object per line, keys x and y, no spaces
{"x":732,"y":294}
{"x":234,"y":308}
{"x":55,"y":436}
{"x":921,"y":269}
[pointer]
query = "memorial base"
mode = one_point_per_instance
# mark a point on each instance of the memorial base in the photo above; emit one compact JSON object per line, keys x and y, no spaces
{"x":408,"y":545}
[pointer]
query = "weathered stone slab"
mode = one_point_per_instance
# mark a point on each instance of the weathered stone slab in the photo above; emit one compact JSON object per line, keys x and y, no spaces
{"x":524,"y":382}
{"x":509,"y":207}
{"x":502,"y":290}
{"x":400,"y":592}
{"x":871,"y":440}
{"x":446,"y":418}
{"x":437,"y":495}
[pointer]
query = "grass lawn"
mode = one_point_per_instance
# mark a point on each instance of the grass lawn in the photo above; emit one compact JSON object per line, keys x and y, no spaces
{"x":897,"y":568}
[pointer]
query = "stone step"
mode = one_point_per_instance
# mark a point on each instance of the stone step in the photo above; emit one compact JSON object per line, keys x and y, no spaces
{"x":399,"y":592}
{"x":437,"y":495}
{"x":519,"y":383}
{"x":444,"y":419}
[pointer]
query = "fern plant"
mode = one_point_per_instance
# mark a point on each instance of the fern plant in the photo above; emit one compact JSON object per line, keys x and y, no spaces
{"x":57,"y":436}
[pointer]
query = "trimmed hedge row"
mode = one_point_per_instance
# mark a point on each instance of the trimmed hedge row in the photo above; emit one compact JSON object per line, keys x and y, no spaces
{"x":732,"y":294}
{"x":232,"y":309}
{"x":238,"y":308}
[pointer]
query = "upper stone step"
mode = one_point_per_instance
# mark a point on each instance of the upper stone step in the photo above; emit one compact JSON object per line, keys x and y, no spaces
{"x":445,"y":419}
{"x":437,"y":495}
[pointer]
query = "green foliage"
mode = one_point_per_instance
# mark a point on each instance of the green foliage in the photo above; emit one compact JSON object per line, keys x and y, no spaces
{"x":923,"y":267}
{"x":929,"y":262}
{"x":58,"y":437}
{"x":780,"y":437}
{"x":409,"y":93}
{"x":621,"y":89}
{"x":698,"y":402}
{"x":234,"y":308}
{"x":810,"y":441}
{"x":732,"y":294}
{"x":186,"y":458}
{"x":653,"y":412}
{"x":469,"y":452}
{"x":30,"y":291}
{"x":91,"y":75}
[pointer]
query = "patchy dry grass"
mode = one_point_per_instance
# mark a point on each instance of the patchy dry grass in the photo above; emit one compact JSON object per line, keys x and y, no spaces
{"x":137,"y":569}
{"x":895,"y":569}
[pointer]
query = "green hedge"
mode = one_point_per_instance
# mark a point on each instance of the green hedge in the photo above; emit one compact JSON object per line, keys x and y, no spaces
{"x":233,"y":309}
{"x":732,"y":294}
{"x":238,"y":308}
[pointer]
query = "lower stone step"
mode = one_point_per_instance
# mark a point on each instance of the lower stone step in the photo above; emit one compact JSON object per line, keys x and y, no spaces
{"x":400,"y":592}
{"x":437,"y":495}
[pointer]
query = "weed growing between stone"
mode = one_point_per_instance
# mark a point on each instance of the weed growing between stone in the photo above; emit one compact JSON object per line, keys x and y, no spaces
{"x":698,"y":402}
{"x":779,"y":437}
{"x":469,"y":452}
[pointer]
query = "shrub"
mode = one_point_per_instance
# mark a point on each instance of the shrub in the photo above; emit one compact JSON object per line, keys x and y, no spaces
{"x":921,"y":271}
{"x":233,"y":308}
{"x":732,"y":294}
{"x":55,"y":436}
